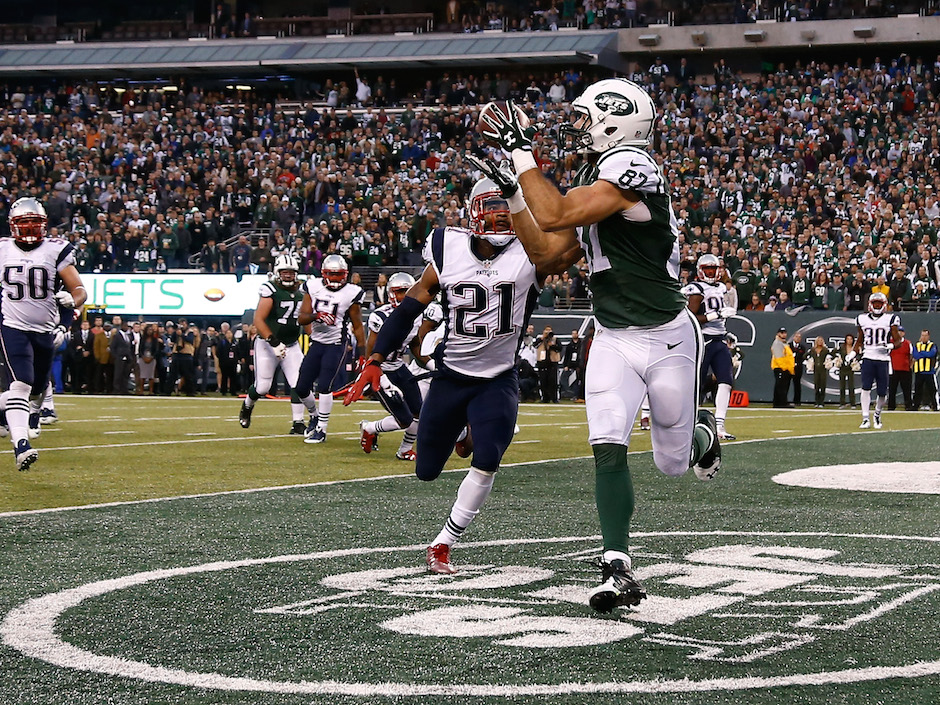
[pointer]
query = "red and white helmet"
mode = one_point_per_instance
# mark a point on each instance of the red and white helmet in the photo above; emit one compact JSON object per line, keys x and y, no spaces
{"x":335,"y":272}
{"x":398,"y":285}
{"x":709,"y":268}
{"x":489,"y":214}
{"x":877,"y":303}
{"x":28,"y":221}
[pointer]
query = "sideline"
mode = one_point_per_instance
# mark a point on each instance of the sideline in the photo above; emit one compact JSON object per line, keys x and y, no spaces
{"x":154,"y":500}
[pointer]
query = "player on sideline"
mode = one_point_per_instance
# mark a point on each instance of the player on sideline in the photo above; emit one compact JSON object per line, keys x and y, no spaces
{"x":29,"y":314}
{"x":877,"y":335}
{"x":329,"y":302}
{"x":707,"y":298}
{"x":402,"y":396}
{"x":276,"y":343}
{"x":647,"y":340}
{"x":489,"y":288}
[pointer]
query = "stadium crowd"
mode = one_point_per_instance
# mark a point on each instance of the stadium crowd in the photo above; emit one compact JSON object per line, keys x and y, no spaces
{"x":815,"y":184}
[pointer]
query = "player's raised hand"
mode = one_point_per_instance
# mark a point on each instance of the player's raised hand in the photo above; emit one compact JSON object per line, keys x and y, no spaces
{"x":502,"y":175}
{"x":507,"y":128}
{"x":369,"y":377}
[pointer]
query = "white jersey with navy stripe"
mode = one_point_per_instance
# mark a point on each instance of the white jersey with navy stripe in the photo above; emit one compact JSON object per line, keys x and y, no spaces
{"x":876,"y":334}
{"x":393,"y":360}
{"x":335,"y":301}
{"x":486,"y":302}
{"x":713,"y":300}
{"x":28,"y":283}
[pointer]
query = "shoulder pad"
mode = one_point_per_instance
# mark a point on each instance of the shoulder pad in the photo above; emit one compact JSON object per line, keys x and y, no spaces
{"x":266,"y":290}
{"x":693,"y":288}
{"x":631,"y":168}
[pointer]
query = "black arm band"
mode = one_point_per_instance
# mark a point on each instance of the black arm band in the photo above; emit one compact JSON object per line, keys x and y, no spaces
{"x":66,"y":316}
{"x":397,"y":326}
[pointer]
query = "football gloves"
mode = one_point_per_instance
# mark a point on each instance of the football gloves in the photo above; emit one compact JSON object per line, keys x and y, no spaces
{"x":501,"y":175}
{"x":728,"y":312}
{"x":58,"y":337}
{"x":325,"y":317}
{"x":506,"y":131}
{"x":370,"y":376}
{"x":64,"y":299}
{"x":280,"y":351}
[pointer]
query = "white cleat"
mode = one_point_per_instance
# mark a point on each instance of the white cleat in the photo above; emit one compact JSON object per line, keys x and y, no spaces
{"x":865,"y":424}
{"x":877,"y":423}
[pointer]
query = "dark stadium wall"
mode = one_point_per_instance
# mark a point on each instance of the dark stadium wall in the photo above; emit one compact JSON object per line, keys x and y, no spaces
{"x":755,"y":333}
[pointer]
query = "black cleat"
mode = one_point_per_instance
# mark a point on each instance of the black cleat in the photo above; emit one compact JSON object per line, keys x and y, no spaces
{"x":298,"y":428}
{"x":619,"y":589}
{"x":708,"y":465}
{"x":244,"y":416}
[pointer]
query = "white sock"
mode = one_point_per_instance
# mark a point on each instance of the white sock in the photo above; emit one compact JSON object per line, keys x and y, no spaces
{"x":18,"y":411}
{"x":616,"y":556}
{"x":645,"y":408}
{"x":310,"y":402}
{"x":722,"y":399}
{"x":408,"y":440}
{"x":866,"y":402}
{"x":297,"y":411}
{"x":47,"y":402}
{"x":385,"y":425}
{"x":471,"y":495}
{"x":325,"y":404}
{"x":880,"y":404}
{"x":3,"y":400}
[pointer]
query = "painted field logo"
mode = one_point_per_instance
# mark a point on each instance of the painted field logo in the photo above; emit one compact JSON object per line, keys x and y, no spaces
{"x":727,"y":611}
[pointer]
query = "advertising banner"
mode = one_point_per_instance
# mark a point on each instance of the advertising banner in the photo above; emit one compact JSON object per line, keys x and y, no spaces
{"x":173,"y":294}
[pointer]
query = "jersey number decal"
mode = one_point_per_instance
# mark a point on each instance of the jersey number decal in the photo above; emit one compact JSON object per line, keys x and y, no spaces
{"x":291,"y":309}
{"x":477,"y":294}
{"x":592,"y":250}
{"x":326,"y":305}
{"x":37,"y":281}
{"x":875,"y":336}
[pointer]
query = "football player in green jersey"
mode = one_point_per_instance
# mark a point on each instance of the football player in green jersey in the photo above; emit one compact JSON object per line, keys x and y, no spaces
{"x":276,"y":343}
{"x":647,"y":342}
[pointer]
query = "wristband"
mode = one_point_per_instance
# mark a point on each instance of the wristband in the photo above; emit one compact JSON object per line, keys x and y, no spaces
{"x":523,"y":160}
{"x":516,"y":202}
{"x":711,"y":316}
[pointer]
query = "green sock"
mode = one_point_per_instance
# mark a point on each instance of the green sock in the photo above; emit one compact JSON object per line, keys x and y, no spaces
{"x":614,"y":494}
{"x":253,"y":393}
{"x":701,"y":440}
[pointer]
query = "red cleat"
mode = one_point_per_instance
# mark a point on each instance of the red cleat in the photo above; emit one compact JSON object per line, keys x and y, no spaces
{"x":407,"y":455}
{"x":368,"y":441}
{"x":464,"y":448}
{"x":438,"y":559}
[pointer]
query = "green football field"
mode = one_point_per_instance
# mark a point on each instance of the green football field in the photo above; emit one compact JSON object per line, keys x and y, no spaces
{"x":158,"y":553}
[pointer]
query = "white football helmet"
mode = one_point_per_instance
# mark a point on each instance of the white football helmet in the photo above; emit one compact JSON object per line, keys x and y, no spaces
{"x":611,"y":113}
{"x":708,"y":268}
{"x":877,"y":304}
{"x":489,"y":214}
{"x":286,"y":264}
{"x":398,"y":285}
{"x":28,"y":221}
{"x":335,"y":272}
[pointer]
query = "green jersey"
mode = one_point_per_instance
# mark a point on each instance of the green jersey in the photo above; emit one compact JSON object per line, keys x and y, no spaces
{"x":282,"y":320}
{"x":633,"y":256}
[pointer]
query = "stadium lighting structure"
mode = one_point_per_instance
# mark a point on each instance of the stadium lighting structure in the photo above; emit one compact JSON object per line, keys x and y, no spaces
{"x":648,"y":40}
{"x":755,"y":35}
{"x":699,"y":38}
{"x":864,"y":32}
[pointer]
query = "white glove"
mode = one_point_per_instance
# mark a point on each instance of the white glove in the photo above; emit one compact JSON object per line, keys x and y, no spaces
{"x":58,"y":336}
{"x":849,"y":356}
{"x":728,"y":312}
{"x":280,"y":350}
{"x":64,"y":299}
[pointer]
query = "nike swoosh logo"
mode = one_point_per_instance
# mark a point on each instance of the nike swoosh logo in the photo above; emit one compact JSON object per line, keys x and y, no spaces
{"x":670,"y":347}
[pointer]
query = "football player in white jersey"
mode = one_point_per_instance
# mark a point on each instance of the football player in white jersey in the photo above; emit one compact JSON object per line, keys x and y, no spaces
{"x":329,"y":302}
{"x":29,"y":314}
{"x":276,"y":344}
{"x":489,"y":286}
{"x":877,"y":335}
{"x":619,"y":211}
{"x":707,"y":297}
{"x":400,"y":392}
